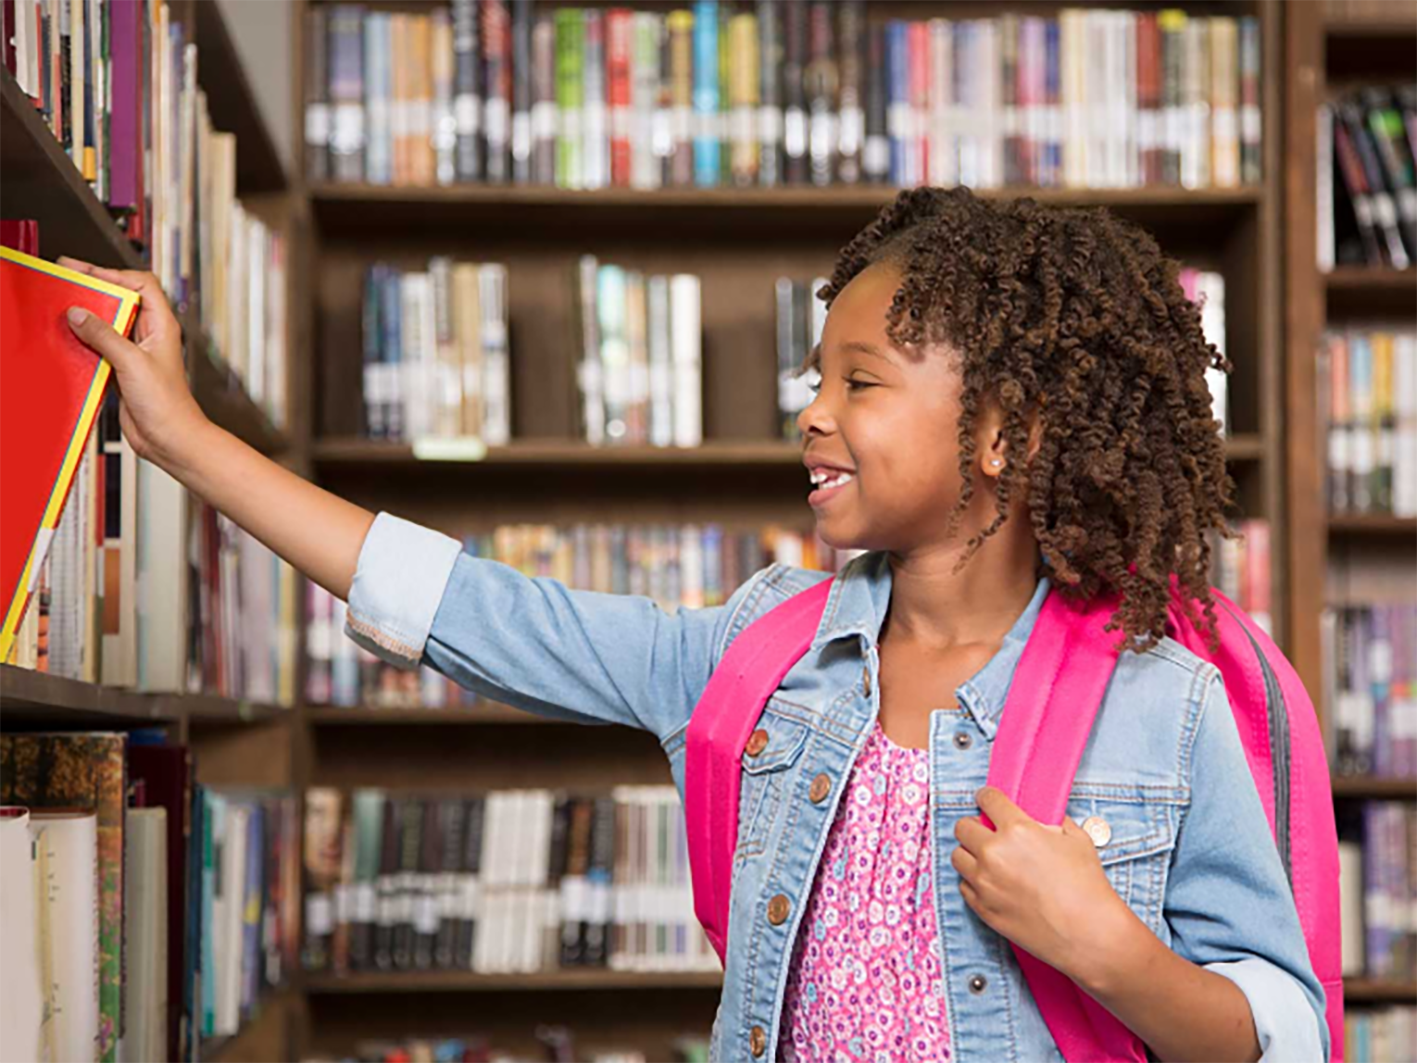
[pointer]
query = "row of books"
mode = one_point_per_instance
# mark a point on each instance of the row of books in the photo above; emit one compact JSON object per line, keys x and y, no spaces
{"x":640,"y":374}
{"x":143,"y":588}
{"x":239,"y":278}
{"x":1367,"y":380}
{"x":1367,"y":187}
{"x":437,"y":362}
{"x":1370,"y":669}
{"x":1380,"y":1035}
{"x":689,"y":566}
{"x":143,"y":911}
{"x":1240,"y":569}
{"x":558,"y":1042}
{"x":507,"y":881}
{"x":1378,"y":884}
{"x":779,"y":93}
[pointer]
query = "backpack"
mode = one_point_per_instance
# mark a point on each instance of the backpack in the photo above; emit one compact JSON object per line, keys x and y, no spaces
{"x":1068,"y":660}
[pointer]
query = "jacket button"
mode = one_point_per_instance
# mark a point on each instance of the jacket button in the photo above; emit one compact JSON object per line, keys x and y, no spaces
{"x":963,"y":740}
{"x":779,"y":908}
{"x":758,"y":1040}
{"x":1098,"y":829}
{"x":757,"y":742}
{"x":978,"y":984}
{"x":821,"y":786}
{"x":866,"y":679}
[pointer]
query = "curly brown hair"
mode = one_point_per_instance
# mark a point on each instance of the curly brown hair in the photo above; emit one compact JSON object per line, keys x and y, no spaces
{"x":1073,"y":316}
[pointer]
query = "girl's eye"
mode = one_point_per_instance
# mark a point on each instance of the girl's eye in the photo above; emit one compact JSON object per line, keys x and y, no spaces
{"x":858,"y":385}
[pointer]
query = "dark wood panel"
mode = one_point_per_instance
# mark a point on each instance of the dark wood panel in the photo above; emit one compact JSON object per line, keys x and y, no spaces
{"x":1373,"y":787}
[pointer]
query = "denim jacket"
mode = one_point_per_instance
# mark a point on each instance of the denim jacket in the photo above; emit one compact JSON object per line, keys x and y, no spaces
{"x":1190,"y":850}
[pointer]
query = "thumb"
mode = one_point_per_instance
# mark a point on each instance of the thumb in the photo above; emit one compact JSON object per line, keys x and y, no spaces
{"x":99,"y":335}
{"x":1071,"y":829}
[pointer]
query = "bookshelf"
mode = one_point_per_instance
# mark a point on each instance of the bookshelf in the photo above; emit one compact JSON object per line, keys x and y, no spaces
{"x":1330,"y":46}
{"x":737,"y":241}
{"x":235,"y":743}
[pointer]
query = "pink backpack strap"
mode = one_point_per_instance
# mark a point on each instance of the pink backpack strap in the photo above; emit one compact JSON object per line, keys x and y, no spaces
{"x":752,"y":668}
{"x":1285,"y":752}
{"x":1053,"y":700}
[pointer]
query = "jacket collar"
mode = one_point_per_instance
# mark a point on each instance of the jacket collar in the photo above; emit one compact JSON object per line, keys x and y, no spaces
{"x":857,"y":606}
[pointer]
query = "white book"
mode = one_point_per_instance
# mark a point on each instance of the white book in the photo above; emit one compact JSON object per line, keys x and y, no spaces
{"x":991,"y":82}
{"x":229,"y":925}
{"x":69,"y":848}
{"x":1210,"y":289}
{"x":1195,"y":95}
{"x":661,"y":365}
{"x":1072,"y":97}
{"x":691,"y":566}
{"x":145,"y":934}
{"x":687,"y":346}
{"x":589,"y":372}
{"x":21,"y":988}
{"x":447,"y":372}
{"x":161,"y":579}
{"x":1127,"y":27}
{"x":416,"y":341}
{"x":1323,"y":186}
{"x":1404,"y":390}
{"x":1350,"y":906}
{"x":496,"y":364}
{"x":647,"y":35}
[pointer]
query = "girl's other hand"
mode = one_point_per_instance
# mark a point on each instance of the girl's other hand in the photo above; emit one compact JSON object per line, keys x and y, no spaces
{"x":158,"y":413}
{"x":1042,"y":887}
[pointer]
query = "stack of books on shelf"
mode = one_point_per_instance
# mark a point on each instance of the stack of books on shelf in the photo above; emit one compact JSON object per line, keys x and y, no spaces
{"x":640,"y":374}
{"x":239,"y":287}
{"x":142,"y":911}
{"x":1368,"y":397}
{"x":686,"y":566}
{"x":738,"y":94}
{"x":1370,"y":668}
{"x":1367,"y":192}
{"x":436,"y":357}
{"x":1240,"y":569}
{"x":511,"y":881}
{"x":559,"y":1043}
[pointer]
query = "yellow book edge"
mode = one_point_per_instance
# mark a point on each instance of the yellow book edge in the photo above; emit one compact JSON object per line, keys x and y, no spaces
{"x":122,"y":318}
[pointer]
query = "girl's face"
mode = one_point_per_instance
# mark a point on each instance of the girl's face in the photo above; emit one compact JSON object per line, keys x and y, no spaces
{"x":881,"y":435}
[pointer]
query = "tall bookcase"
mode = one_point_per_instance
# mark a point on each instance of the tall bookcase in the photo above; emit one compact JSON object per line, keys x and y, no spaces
{"x":235,"y":743}
{"x":1329,"y":47}
{"x":738,"y":242}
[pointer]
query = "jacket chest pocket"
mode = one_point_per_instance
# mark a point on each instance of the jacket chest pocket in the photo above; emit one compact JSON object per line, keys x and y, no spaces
{"x":773,"y":750}
{"x":1135,"y":834}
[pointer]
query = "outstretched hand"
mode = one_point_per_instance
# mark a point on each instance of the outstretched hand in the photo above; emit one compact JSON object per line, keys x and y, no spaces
{"x":158,"y":413}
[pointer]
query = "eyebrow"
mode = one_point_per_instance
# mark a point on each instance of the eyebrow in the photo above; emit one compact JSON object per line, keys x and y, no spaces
{"x":814,"y":357}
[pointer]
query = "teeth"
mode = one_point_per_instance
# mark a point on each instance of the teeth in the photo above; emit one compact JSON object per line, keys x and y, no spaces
{"x":822,"y":478}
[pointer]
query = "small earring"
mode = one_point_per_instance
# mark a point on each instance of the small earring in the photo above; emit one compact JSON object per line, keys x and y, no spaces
{"x":995,"y":461}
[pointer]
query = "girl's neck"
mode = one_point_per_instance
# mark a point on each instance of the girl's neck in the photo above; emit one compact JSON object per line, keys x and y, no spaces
{"x":936,"y":608}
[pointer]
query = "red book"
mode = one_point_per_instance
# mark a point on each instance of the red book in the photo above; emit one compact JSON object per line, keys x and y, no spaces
{"x":51,"y":388}
{"x":20,"y":234}
{"x":617,"y":88}
{"x":918,"y":65}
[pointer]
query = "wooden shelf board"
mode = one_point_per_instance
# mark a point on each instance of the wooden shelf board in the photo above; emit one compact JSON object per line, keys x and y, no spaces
{"x":31,"y":697}
{"x":1371,"y":524}
{"x":1373,"y":294}
{"x":1343,"y":278}
{"x":42,"y":183}
{"x":1379,"y":990}
{"x":223,"y":397}
{"x":533,"y":211}
{"x":1246,"y":447}
{"x":468,"y":982}
{"x":209,"y":710}
{"x":484,"y":713}
{"x":1359,"y":787}
{"x":232,"y":103}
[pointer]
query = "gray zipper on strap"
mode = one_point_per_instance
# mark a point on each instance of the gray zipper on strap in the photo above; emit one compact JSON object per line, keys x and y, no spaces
{"x":1277,"y":714}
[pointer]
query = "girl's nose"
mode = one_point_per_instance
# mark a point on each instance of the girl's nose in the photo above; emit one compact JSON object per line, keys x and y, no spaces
{"x":816,"y":418}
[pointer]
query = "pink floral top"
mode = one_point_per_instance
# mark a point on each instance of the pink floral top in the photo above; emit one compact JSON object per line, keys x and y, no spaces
{"x":865,"y":982}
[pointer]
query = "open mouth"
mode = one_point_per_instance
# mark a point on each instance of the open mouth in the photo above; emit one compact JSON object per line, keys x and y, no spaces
{"x":827,"y":483}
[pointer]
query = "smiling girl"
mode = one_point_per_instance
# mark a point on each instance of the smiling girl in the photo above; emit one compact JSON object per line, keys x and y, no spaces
{"x":1012,"y":404}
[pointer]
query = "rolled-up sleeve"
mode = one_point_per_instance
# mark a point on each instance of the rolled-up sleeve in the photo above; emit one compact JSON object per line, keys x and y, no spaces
{"x":532,"y":643}
{"x":1228,"y":902}
{"x":399,"y":582}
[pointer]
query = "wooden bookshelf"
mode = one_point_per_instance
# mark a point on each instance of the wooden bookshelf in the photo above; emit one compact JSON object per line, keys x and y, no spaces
{"x":32,"y":699}
{"x":1373,"y":787}
{"x":467,"y":982}
{"x":265,"y":1035}
{"x":1379,"y":991}
{"x":482,"y":714}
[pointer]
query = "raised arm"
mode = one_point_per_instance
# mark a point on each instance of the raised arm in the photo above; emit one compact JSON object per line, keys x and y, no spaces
{"x":317,"y":532}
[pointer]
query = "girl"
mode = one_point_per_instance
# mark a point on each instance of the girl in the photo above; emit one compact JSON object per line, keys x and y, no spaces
{"x":1012,"y":401}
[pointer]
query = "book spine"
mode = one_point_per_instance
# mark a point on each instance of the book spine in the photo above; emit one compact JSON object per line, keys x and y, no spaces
{"x":595,"y":132}
{"x":851,"y":122}
{"x":467,"y":90}
{"x":681,"y":81}
{"x":706,"y":89}
{"x":820,"y":89}
{"x":769,"y":120}
{"x":570,"y":90}
{"x":650,"y":136}
{"x":743,"y":94}
{"x":1250,"y":113}
{"x":796,"y":166}
{"x":522,"y":74}
{"x":543,"y":107}
{"x":444,"y":122}
{"x":618,"y":28}
{"x":346,"y":93}
{"x":496,"y":50}
{"x":378,"y":158}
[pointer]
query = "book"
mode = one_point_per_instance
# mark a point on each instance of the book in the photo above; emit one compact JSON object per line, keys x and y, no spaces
{"x":22,"y":987}
{"x":145,"y":916}
{"x":52,"y":387}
